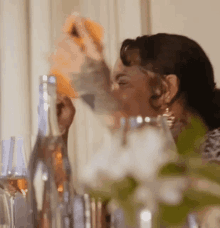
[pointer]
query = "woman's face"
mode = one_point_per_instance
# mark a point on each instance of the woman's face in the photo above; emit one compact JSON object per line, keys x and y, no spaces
{"x":132,"y":87}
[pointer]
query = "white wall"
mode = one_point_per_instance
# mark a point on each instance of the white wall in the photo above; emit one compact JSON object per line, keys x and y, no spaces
{"x":197,"y":19}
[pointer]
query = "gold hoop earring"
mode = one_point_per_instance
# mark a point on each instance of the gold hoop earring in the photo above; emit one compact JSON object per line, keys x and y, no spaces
{"x":169,"y":117}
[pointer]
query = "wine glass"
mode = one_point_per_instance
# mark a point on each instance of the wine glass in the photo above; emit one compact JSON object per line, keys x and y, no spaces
{"x":4,"y":198}
{"x":16,"y":173}
{"x":4,"y":210}
{"x":14,"y":176}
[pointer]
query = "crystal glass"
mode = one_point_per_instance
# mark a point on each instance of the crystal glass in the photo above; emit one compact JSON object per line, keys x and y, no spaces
{"x":14,"y":176}
{"x":4,"y":210}
{"x":14,"y":166}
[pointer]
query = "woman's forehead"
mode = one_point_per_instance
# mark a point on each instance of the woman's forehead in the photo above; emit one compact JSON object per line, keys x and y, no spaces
{"x":120,"y":68}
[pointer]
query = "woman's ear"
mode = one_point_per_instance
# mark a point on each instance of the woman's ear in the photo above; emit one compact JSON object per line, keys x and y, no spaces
{"x":170,"y":88}
{"x":166,"y":91}
{"x":172,"y":82}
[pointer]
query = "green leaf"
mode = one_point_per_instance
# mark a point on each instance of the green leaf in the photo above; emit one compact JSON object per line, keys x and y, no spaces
{"x":130,"y":208}
{"x":100,"y":195}
{"x":209,"y":170}
{"x":200,"y":199}
{"x":123,"y":193}
{"x":104,"y":192}
{"x":173,"y":169}
{"x":174,"y":215}
{"x":123,"y":189}
{"x":193,"y":200}
{"x":190,"y":139}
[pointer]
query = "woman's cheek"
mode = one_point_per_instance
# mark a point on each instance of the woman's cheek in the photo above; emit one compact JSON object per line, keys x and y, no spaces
{"x":132,"y":106}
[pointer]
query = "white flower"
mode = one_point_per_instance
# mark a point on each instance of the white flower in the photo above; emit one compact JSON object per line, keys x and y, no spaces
{"x":148,"y":152}
{"x":143,"y":156}
{"x":171,"y":189}
{"x":166,"y":190}
{"x":111,"y":163}
{"x":90,"y":176}
{"x":145,"y":194}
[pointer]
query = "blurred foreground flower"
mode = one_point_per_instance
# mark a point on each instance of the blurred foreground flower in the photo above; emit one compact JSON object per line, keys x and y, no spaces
{"x":149,"y":173}
{"x":128,"y":174}
{"x":167,"y":190}
{"x":141,"y":157}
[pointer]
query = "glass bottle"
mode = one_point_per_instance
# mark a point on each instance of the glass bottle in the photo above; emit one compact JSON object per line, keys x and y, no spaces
{"x":50,"y":190}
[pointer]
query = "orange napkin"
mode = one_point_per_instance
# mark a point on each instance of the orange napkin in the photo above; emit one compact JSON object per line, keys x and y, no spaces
{"x":95,"y":31}
{"x":62,"y":59}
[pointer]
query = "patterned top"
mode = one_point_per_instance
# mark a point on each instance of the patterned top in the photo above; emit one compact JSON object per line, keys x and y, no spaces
{"x":211,"y":150}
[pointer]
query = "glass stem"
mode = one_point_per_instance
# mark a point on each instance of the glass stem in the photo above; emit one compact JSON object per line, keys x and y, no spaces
{"x":12,"y":211}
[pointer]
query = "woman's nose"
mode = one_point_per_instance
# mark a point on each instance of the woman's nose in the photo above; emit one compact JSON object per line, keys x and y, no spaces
{"x":114,"y":87}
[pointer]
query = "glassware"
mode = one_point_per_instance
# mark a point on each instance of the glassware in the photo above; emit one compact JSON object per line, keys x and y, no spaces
{"x":14,"y":175}
{"x":4,"y":196}
{"x":17,"y":167}
{"x":4,"y":210}
{"x":50,"y":188}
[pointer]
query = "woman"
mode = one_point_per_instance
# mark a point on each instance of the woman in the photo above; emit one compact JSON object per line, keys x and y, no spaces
{"x":161,"y":74}
{"x":170,"y":75}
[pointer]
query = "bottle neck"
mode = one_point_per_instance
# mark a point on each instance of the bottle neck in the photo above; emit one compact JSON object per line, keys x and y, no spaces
{"x":47,"y":114}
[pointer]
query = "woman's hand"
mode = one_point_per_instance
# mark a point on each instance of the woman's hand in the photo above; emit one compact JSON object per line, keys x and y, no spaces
{"x":65,"y":113}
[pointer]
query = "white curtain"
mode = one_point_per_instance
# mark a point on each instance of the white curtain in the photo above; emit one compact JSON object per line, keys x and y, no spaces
{"x":28,"y":31}
{"x":14,"y":72}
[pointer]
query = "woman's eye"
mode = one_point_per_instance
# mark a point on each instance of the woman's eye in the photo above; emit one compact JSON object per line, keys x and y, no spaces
{"x":122,"y":83}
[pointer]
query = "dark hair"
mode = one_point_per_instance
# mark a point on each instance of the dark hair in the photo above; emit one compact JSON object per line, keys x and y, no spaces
{"x":166,"y":54}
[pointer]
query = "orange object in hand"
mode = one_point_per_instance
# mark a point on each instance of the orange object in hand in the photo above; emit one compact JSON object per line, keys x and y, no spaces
{"x":94,"y":30}
{"x":63,"y":82}
{"x":63,"y":63}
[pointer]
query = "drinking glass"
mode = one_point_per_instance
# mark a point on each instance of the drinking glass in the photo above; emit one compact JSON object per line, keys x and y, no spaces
{"x":14,"y":176}
{"x":17,"y":166}
{"x":4,"y":209}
